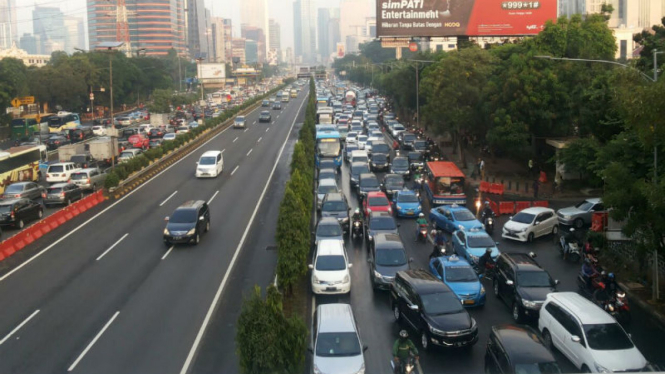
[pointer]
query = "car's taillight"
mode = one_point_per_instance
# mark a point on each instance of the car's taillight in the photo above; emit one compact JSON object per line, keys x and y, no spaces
{"x":63,"y":175}
{"x":44,"y":194}
{"x":88,"y":181}
{"x":12,"y":214}
{"x":62,"y":194}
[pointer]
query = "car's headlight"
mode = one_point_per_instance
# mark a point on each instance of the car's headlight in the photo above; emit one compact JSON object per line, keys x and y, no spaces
{"x":482,"y":290}
{"x":166,"y":232}
{"x":377,"y":274}
{"x":601,"y":369}
{"x":435,"y":330}
{"x":529,"y":304}
{"x":399,"y":207}
{"x":568,"y":217}
{"x":523,"y":230}
{"x":316,"y":370}
{"x":191,"y":232}
{"x":370,"y":237}
{"x":474,"y":258}
{"x":420,"y":207}
{"x":347,"y":279}
{"x":460,"y":227}
{"x":315,"y":279}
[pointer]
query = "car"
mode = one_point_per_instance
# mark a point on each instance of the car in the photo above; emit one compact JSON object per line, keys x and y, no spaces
{"x":169,"y":136}
{"x":17,"y":211}
{"x":420,"y":146}
{"x":181,"y":130}
{"x":335,"y":205}
{"x":154,"y":143}
{"x":139,"y":141}
{"x":352,"y":138}
{"x":129,"y":154}
{"x":368,"y":143}
{"x":522,"y":284}
{"x":99,"y":130}
{"x":330,"y":268}
{"x":454,"y":217}
{"x":396,"y":130}
{"x":28,"y":190}
{"x":337,"y":344}
{"x":531,"y":223}
{"x":60,"y":172}
{"x":265,"y":103}
{"x":589,"y":337}
{"x":239,"y":122}
{"x":359,"y":156}
{"x":458,"y":274}
{"x":276,"y":105}
{"x":431,"y":309}
{"x":380,"y":147}
{"x":124,"y":121}
{"x":387,"y":257}
{"x":379,"y":162}
{"x":187,"y":223}
{"x":156,"y":133}
{"x":328,"y":228}
{"x":210,"y":164}
{"x":56,"y":141}
{"x":392,"y":183}
{"x":580,"y":214}
{"x":376,"y":202}
{"x":400,"y":166}
{"x":89,"y":179}
{"x":265,"y":116}
{"x":407,"y":203}
{"x":348,"y":150}
{"x":472,"y":244}
{"x":380,"y":222}
{"x":325,"y":187}
{"x":357,"y":168}
{"x":518,"y":349}
{"x":367,"y":182}
{"x":327,"y":173}
{"x":415,"y":159}
{"x":362,"y":141}
{"x":407,"y":140}
{"x":61,"y":193}
{"x":326,"y":163}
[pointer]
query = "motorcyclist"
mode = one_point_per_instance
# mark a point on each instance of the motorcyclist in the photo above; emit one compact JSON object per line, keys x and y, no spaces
{"x":421,"y":221}
{"x":588,"y":272}
{"x":357,"y":215}
{"x":402,"y":348}
{"x":439,"y":240}
{"x":484,"y":260}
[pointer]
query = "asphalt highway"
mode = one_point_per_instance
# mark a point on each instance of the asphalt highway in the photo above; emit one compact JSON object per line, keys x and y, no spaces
{"x":110,"y":297}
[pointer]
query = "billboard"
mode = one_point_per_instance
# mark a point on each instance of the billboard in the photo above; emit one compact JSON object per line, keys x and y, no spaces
{"x":395,"y":42}
{"x":212,"y":73}
{"x":441,"y":18}
{"x":340,"y":50}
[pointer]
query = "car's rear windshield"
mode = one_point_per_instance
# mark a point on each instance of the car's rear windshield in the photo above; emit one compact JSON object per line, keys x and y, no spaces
{"x":14,"y":188}
{"x":5,"y":209}
{"x":183,"y":216}
{"x":378,"y":201}
{"x":369,"y":182}
{"x":607,"y":337}
{"x":337,"y":344}
{"x":55,"y":169}
{"x":55,"y":190}
{"x":357,"y":170}
{"x":327,"y":189}
{"x":79,"y":176}
{"x":329,"y":230}
{"x":382,"y":223}
{"x":334,"y":206}
{"x":380,"y":148}
{"x":330,"y":263}
{"x":400,"y":163}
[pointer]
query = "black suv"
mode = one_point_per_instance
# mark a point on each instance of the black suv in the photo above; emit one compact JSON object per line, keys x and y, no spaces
{"x":517,"y":348}
{"x":379,"y":161}
{"x":17,"y":212}
{"x":432,"y":309}
{"x":522,"y":284}
{"x":187,"y":223}
{"x":367,"y":183}
{"x":388,"y":256}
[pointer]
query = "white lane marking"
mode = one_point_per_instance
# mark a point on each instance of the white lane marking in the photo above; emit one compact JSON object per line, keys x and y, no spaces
{"x":234,"y":170}
{"x":255,"y":122}
{"x":273,"y":122}
{"x":267,"y":129}
{"x":259,"y":141}
{"x":109,"y":207}
{"x":167,"y":199}
{"x":223,"y":150}
{"x":248,"y":129}
{"x":215,"y":300}
{"x":250,"y":151}
{"x":99,"y":334}
{"x":278,"y":116}
{"x":19,"y":326}
{"x":213,"y":197}
{"x":167,"y":252}
{"x":111,"y":247}
{"x":234,"y":140}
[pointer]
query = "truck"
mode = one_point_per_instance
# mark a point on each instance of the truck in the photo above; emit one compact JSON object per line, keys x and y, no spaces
{"x":350,"y":97}
{"x":66,"y":152}
{"x":159,"y":119}
{"x":324,"y":115}
{"x":104,"y":149}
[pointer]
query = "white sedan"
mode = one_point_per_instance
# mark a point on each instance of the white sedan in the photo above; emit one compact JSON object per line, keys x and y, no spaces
{"x":362,"y":140}
{"x":531,"y":223}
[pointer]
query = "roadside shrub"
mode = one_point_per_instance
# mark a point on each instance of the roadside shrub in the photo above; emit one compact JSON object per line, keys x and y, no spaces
{"x":121,"y":171}
{"x":111,"y":180}
{"x":159,"y":152}
{"x":293,"y":240}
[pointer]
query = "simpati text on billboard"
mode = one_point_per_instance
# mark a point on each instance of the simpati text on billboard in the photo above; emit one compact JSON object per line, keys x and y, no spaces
{"x":437,"y":18}
{"x":212,"y":73}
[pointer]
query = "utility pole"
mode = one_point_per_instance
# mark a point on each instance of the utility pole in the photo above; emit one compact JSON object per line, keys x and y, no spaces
{"x":179,"y":74}
{"x":656,"y":286}
{"x":417,"y":98}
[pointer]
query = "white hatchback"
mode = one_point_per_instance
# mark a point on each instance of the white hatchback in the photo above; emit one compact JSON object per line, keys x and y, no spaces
{"x":330,"y":270}
{"x":531,"y":223}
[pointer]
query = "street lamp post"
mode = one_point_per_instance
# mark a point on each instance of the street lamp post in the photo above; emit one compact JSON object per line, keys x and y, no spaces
{"x":418,"y":89}
{"x":199,"y":60}
{"x":655,"y":294}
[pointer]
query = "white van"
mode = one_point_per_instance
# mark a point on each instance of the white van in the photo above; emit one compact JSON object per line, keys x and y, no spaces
{"x":211,"y":164}
{"x":61,"y":172}
{"x":359,"y":156}
{"x":337,"y":344}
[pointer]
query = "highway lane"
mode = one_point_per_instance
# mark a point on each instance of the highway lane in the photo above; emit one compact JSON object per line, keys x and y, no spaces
{"x":148,"y":302}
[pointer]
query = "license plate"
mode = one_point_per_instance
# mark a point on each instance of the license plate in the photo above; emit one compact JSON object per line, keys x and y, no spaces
{"x":459,"y":344}
{"x":468,"y":302}
{"x":409,"y":213}
{"x":177,"y":237}
{"x":331,"y":288}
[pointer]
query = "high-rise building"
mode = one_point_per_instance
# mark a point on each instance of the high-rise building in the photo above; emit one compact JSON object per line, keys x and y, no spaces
{"x":49,"y":24}
{"x":29,"y":44}
{"x":322,"y":33}
{"x":8,"y":22}
{"x":228,"y":39}
{"x":275,"y":47}
{"x":251,"y":52}
{"x":304,"y":30}
{"x":74,"y":33}
{"x":217,"y":41}
{"x":157,"y":26}
{"x":353,"y":16}
{"x":333,"y":30}
{"x":239,"y":51}
{"x":254,"y":13}
{"x":569,"y":7}
{"x":197,"y":38}
{"x":255,"y":34}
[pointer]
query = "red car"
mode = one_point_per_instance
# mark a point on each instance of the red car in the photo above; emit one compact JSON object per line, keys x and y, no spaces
{"x":376,"y":202}
{"x":139,"y":141}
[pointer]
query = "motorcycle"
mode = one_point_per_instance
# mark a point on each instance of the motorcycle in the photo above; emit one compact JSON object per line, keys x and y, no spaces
{"x":405,"y":366}
{"x":488,"y":223}
{"x":570,"y":246}
{"x":589,"y":288}
{"x":616,"y":306}
{"x":422,"y":233}
{"x":357,"y":232}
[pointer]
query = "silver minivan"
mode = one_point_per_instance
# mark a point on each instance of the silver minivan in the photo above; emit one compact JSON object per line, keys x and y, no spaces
{"x":89,"y":179}
{"x":337,"y":345}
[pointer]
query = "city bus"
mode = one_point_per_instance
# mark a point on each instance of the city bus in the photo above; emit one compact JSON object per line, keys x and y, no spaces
{"x":329,"y":146}
{"x":444,"y":183}
{"x":20,"y":164}
{"x":64,"y":121}
{"x":27,"y":126}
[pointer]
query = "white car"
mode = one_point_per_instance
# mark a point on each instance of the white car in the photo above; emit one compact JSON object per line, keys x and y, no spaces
{"x":210,"y":164}
{"x":397,"y":129}
{"x":362,"y":141}
{"x":531,"y":223}
{"x":169,"y":136}
{"x":99,"y":130}
{"x":352,"y":137}
{"x":330,"y":270}
{"x":589,"y":337}
{"x":368,"y":144}
{"x":337,"y":344}
{"x":61,"y":172}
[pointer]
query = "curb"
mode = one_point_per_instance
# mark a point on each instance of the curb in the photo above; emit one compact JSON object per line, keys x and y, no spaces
{"x":648,"y":309}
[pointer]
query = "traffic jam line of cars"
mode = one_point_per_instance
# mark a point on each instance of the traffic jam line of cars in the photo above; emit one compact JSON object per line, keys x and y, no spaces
{"x":432,"y":303}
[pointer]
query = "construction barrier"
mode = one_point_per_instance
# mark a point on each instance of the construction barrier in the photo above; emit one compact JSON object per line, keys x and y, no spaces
{"x":494,"y":205}
{"x":521,"y":205}
{"x":598,"y":221}
{"x":496,"y":188}
{"x":484,"y":187}
{"x":541,"y":203}
{"x":506,"y":207}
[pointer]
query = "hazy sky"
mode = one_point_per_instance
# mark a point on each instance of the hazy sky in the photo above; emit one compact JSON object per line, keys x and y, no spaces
{"x":280,"y":10}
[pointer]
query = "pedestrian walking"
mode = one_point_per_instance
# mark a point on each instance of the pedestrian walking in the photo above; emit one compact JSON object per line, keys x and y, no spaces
{"x":536,"y":186}
{"x":530,"y":164}
{"x":481,"y":167}
{"x":556,"y":186}
{"x":476,"y":170}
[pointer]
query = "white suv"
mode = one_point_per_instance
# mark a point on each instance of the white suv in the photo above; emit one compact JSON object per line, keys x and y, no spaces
{"x":330,"y":270}
{"x":531,"y":223}
{"x":337,"y":346}
{"x":589,"y":337}
{"x":61,"y":172}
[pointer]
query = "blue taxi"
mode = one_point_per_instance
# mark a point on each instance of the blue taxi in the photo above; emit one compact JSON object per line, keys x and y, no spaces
{"x":458,"y":274}
{"x":454,"y":217}
{"x":407,"y":203}
{"x":472,"y":244}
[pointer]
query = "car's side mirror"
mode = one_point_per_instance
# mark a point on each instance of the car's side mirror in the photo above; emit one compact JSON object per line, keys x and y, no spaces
{"x":536,"y":223}
{"x":410,"y":259}
{"x":310,"y":266}
{"x":370,"y":260}
{"x":350,"y":266}
{"x":365,"y":347}
{"x":575,"y":339}
{"x":556,"y":281}
{"x":413,"y":307}
{"x":166,"y":218}
{"x":201,"y":218}
{"x":509,"y":282}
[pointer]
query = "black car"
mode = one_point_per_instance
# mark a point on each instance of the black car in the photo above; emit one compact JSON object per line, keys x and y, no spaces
{"x":421,"y":146}
{"x":126,"y":133}
{"x":156,"y":133}
{"x":380,"y":147}
{"x":407,"y":140}
{"x":16,"y":212}
{"x":277,"y":105}
{"x":518,"y":349}
{"x":80,"y":134}
{"x":265,"y":103}
{"x":416,"y":159}
{"x":387,"y":257}
{"x":380,"y":223}
{"x":392,"y":183}
{"x":432,"y":310}
{"x":522,"y":284}
{"x":187,"y":223}
{"x":367,"y":182}
{"x":265,"y":116}
{"x":400,"y":166}
{"x":379,"y":162}
{"x":358,"y":168}
{"x":56,"y":141}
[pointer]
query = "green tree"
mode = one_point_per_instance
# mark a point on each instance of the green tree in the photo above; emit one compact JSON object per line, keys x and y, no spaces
{"x":161,"y":99}
{"x":650,"y":40}
{"x":579,"y":156}
{"x":293,"y":239}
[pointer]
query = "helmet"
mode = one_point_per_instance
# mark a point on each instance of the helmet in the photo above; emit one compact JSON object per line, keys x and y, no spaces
{"x":487,"y":204}
{"x":421,"y":215}
{"x":603,"y":273}
{"x":403,"y":334}
{"x":488,"y":250}
{"x":433,"y":232}
{"x":610,"y":275}
{"x":357,"y":210}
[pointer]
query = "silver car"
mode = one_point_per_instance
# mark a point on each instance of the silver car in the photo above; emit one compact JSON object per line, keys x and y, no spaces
{"x":89,"y":179}
{"x":329,"y":228}
{"x":337,"y":345}
{"x":580,"y":214}
{"x":239,"y":122}
{"x":325,"y":186}
{"x":28,"y":190}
